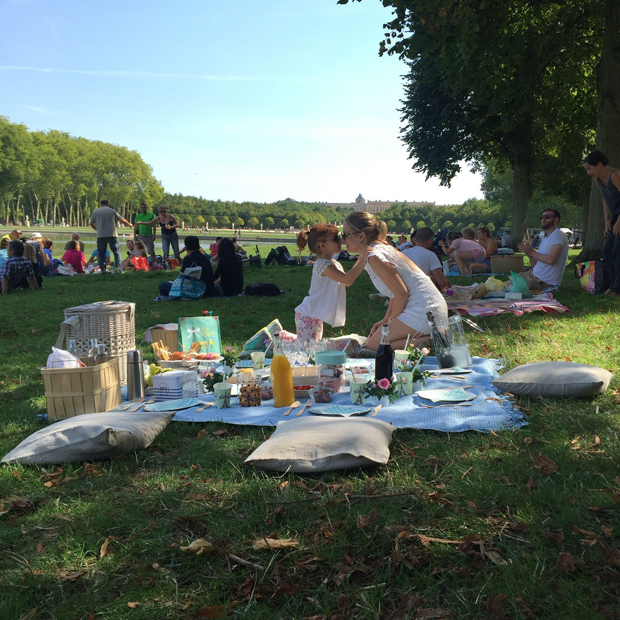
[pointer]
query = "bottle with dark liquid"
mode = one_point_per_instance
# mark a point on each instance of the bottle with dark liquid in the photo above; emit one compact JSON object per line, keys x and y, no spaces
{"x":384,"y":359}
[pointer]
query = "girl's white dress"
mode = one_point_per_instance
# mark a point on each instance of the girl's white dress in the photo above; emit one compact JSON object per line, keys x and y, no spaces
{"x":423,"y":294}
{"x":327,"y":299}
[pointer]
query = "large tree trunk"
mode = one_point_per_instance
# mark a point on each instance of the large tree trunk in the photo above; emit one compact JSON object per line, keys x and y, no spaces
{"x":521,"y":171}
{"x":607,"y":124}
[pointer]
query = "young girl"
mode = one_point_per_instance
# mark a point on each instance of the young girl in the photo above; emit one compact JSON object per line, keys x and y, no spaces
{"x":327,"y":299}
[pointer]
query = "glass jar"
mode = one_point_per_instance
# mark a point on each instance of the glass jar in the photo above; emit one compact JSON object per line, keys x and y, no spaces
{"x":249,"y":389}
{"x":331,"y":369}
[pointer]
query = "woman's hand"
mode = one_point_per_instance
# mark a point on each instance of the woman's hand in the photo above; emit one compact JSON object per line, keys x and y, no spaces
{"x":616,"y":228}
{"x":377,"y":326}
{"x":607,"y":226}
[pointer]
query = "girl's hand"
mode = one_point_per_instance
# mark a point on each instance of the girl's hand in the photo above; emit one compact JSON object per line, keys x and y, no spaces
{"x":441,"y":243}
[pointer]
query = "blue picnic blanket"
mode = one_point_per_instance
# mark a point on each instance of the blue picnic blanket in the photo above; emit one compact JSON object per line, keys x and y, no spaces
{"x":490,"y":411}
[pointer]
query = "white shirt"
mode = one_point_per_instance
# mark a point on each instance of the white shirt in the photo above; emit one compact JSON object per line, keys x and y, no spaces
{"x":327,"y":299}
{"x":552,"y":274}
{"x":426,"y":260}
{"x":404,"y":246}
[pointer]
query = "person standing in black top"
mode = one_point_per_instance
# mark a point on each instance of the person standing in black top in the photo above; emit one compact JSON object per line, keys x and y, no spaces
{"x":169,"y":237}
{"x":194,"y":258}
{"x":229,"y":270}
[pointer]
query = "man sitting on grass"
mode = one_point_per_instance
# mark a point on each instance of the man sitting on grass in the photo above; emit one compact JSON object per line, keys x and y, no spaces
{"x":17,"y":272}
{"x":549,"y":261}
{"x":426,"y":260}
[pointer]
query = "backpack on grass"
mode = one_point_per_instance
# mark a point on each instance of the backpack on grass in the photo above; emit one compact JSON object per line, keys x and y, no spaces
{"x":262,"y":289}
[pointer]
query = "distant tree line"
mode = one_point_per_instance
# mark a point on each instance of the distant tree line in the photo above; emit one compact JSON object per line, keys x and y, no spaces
{"x":55,"y":177}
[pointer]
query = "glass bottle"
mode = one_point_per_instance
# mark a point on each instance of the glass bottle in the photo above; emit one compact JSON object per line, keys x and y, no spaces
{"x":384,"y":359}
{"x":281,"y":376}
{"x":71,"y":347}
{"x":101,"y":357}
{"x":92,"y":353}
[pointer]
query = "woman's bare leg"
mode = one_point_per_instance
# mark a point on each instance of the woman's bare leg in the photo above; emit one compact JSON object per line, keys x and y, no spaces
{"x":398,"y":336}
{"x":463,"y":260}
{"x":480,"y":268}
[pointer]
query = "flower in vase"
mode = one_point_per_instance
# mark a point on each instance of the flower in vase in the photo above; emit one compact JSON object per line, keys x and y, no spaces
{"x":425,"y":351}
{"x":384,"y":384}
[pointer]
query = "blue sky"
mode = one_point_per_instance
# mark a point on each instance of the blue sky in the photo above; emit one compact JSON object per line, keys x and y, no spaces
{"x":237,"y":100}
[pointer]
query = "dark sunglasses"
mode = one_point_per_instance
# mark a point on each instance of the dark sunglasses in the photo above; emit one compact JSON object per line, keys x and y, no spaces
{"x":344,"y":235}
{"x":547,"y":217}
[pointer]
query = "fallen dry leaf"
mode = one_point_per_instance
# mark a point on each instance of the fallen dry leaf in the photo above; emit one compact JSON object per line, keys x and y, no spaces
{"x":427,"y":540}
{"x":608,"y":531}
{"x":287,"y":589}
{"x":544,"y":465}
{"x":23,"y":504}
{"x":201,"y":433}
{"x":557,"y":537}
{"x":565,"y":563}
{"x":365,"y":520}
{"x":40,"y":548}
{"x":133,"y":604}
{"x":30,"y":615}
{"x":71,"y":575}
{"x":528,"y":440}
{"x":531,"y":484}
{"x":265,"y":544}
{"x":199,"y":547}
{"x":62,"y":517}
{"x":104,"y":548}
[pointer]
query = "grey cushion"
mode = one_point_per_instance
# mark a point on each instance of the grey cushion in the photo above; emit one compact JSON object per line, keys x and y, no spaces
{"x":90,"y":436}
{"x":314,"y":444}
{"x":555,"y":380}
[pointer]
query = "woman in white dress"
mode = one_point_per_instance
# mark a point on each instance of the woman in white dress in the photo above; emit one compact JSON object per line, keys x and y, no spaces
{"x":412,"y":293}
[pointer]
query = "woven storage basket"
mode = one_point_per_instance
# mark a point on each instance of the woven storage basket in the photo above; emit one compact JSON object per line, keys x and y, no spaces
{"x":505,"y":263}
{"x":169,"y":337}
{"x":110,"y":322}
{"x":70,"y":392}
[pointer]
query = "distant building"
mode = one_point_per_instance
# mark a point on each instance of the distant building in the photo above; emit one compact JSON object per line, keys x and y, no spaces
{"x":372,"y":206}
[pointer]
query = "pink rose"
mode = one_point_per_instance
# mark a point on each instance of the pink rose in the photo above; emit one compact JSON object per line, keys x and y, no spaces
{"x":425,"y":351}
{"x":229,"y":349}
{"x":384,"y":384}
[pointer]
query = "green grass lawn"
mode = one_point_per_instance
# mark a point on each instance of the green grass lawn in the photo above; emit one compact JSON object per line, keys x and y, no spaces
{"x":103,"y":541}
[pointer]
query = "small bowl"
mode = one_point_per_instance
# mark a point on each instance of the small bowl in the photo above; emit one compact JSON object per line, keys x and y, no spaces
{"x":321,"y":395}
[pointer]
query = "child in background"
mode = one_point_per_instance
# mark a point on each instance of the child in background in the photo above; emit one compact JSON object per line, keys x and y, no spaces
{"x":74,"y":257}
{"x":327,"y":299}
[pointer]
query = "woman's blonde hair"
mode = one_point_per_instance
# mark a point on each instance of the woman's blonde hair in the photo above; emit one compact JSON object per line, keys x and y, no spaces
{"x":374,"y":229}
{"x":468,"y":232}
{"x":315,"y":235}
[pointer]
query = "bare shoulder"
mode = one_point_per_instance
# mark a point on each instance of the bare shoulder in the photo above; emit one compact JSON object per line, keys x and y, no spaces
{"x":615,"y":177}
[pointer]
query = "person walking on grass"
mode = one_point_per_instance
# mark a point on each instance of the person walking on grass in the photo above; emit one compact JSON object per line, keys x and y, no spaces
{"x":103,"y":222}
{"x":608,"y":180}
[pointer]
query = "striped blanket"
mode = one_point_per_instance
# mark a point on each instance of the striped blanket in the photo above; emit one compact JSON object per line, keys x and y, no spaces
{"x":490,"y":307}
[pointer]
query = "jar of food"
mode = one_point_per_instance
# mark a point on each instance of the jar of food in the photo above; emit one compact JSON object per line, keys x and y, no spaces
{"x":321,"y":395}
{"x":249,"y":389}
{"x":331,"y":369}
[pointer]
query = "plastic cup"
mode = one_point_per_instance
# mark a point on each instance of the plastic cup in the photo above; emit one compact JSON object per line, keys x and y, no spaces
{"x":258,"y":360}
{"x":222,"y":393}
{"x":400,"y":357}
{"x":404,"y":381}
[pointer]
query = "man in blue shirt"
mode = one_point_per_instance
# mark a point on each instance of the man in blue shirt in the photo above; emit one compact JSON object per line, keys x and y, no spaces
{"x":18,"y":270}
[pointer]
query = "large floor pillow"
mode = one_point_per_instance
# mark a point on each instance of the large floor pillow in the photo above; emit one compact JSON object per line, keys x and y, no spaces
{"x":555,"y":380}
{"x":89,"y":437}
{"x":314,"y":444}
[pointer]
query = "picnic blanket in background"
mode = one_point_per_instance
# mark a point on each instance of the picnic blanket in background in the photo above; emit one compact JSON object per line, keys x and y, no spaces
{"x":490,"y":307}
{"x":489,"y":411}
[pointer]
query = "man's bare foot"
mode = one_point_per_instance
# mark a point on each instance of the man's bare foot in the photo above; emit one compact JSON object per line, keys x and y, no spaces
{"x":607,"y":291}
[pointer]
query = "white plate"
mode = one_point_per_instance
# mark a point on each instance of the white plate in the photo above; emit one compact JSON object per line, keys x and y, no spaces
{"x":449,"y":395}
{"x":343,"y":411}
{"x":451,"y":371}
{"x":174,"y":405}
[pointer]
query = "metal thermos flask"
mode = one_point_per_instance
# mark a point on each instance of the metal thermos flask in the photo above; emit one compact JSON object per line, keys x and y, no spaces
{"x":135,"y":375}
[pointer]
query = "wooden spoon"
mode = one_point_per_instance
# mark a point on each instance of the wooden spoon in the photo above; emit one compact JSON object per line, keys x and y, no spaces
{"x":293,"y":406}
{"x":201,"y":409}
{"x":376,"y":411}
{"x":301,"y":411}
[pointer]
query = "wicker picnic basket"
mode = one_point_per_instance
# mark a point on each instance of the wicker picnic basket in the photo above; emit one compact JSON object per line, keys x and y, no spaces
{"x":169,"y":337}
{"x":75,"y":391}
{"x":110,"y":322}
